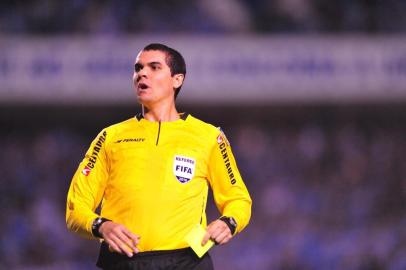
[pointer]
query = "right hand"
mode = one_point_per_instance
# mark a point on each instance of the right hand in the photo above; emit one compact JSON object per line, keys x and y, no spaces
{"x":119,"y":238}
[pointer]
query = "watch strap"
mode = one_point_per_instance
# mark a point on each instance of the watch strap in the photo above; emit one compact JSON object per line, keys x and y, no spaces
{"x":97,"y":222}
{"x":231,"y":223}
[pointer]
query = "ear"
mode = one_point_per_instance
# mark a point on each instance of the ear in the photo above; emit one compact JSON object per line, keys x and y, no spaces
{"x":177,"y":80}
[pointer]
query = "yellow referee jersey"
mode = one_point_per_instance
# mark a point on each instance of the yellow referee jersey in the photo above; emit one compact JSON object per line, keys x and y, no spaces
{"x":153,"y":178}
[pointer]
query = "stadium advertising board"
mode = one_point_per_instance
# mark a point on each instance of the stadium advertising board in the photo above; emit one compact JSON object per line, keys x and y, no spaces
{"x":249,"y":69}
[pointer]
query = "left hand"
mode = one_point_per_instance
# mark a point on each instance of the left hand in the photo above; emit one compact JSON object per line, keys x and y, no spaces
{"x":218,"y":231}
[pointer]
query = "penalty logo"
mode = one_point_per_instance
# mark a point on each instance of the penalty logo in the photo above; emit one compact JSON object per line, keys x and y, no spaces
{"x":183,"y":168}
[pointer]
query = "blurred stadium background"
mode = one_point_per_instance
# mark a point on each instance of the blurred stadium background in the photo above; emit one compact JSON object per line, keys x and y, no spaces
{"x":310,"y":93}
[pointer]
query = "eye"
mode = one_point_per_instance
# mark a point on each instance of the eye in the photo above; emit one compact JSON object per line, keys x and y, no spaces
{"x":137,"y":67}
{"x":155,"y":67}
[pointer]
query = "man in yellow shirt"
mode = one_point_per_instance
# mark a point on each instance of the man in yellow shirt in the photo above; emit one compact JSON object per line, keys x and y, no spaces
{"x":151,"y":174}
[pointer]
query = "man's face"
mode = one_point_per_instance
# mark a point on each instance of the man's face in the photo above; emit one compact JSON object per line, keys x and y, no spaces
{"x":152,"y":78}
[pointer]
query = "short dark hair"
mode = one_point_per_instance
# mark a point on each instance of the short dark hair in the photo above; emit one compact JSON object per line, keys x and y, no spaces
{"x":174,"y":60}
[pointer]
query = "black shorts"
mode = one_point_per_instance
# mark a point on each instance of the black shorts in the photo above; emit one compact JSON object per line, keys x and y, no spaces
{"x":179,"y":259}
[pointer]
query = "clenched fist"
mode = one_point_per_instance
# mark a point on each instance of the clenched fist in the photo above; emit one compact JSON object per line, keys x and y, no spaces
{"x":218,"y":231}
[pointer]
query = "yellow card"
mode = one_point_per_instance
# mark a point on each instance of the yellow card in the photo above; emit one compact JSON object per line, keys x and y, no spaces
{"x":194,"y":239}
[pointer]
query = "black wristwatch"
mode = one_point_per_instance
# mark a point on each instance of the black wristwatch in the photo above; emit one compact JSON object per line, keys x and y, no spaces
{"x":97,"y":222}
{"x":231,"y":223}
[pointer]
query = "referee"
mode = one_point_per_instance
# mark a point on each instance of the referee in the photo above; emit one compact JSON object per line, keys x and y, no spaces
{"x":151,"y":175}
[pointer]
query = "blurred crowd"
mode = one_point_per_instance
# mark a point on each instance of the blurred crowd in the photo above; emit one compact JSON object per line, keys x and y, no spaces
{"x":327,"y":194}
{"x":201,"y":16}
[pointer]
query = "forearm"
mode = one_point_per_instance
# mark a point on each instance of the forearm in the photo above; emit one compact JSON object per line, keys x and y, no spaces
{"x":240,"y":210}
{"x":79,"y":220}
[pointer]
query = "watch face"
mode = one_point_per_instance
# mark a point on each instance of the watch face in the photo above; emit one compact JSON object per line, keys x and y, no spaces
{"x":232,"y":221}
{"x":96,"y":222}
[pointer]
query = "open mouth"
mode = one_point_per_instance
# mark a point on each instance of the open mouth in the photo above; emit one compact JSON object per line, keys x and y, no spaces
{"x":142,"y":86}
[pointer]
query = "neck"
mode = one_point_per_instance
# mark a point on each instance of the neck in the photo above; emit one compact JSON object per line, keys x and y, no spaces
{"x":161,"y":113}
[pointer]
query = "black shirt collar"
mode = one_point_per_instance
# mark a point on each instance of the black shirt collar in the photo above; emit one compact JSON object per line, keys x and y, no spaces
{"x":183,"y":116}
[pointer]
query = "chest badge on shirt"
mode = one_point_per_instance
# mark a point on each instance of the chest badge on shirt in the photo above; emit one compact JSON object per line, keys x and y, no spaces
{"x":184,"y":168}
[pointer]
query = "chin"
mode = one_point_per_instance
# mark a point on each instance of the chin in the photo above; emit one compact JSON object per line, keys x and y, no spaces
{"x":143,"y":100}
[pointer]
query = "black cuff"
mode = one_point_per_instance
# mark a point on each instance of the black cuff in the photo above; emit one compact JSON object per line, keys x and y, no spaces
{"x":231,"y":223}
{"x":96,"y":226}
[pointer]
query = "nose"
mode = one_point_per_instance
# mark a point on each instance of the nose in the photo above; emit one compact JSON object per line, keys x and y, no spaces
{"x":140,"y":73}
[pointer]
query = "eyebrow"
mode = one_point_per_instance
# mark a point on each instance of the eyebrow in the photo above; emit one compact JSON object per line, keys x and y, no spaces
{"x":154,"y":63}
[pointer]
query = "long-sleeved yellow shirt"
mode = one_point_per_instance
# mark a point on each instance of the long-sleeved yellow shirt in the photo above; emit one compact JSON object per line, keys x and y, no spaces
{"x":153,"y":178}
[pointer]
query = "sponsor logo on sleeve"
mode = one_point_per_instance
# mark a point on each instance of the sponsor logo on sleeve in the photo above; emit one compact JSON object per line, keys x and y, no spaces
{"x":227,"y":163}
{"x":92,"y":158}
{"x":223,"y":143}
{"x":222,"y":137}
{"x":184,"y":168}
{"x":86,"y":171}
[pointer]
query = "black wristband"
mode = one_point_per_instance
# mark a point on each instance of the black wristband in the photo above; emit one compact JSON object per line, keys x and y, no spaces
{"x":231,"y":223}
{"x":97,"y":222}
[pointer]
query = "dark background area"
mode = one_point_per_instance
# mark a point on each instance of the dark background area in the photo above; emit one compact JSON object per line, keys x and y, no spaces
{"x":328,"y":180}
{"x":328,"y":184}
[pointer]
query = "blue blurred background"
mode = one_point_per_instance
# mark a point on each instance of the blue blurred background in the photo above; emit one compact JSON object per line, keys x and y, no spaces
{"x":310,"y":93}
